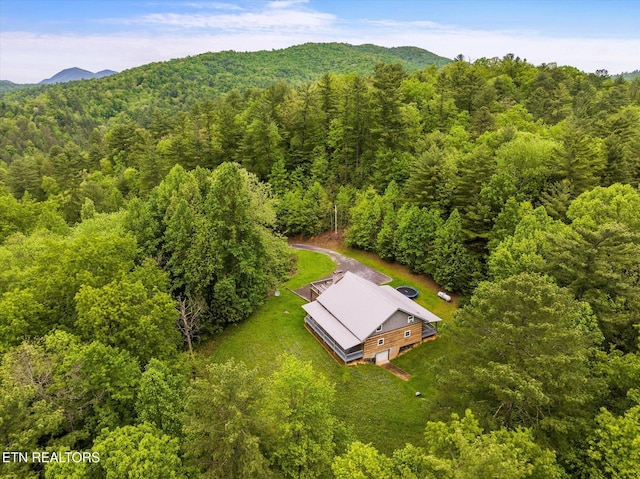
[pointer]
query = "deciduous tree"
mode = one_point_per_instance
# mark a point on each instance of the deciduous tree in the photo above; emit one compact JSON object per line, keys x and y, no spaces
{"x":160,"y":398}
{"x":460,"y":449}
{"x":366,"y":218}
{"x":137,"y":452}
{"x":60,"y":391}
{"x":415,"y":237}
{"x":362,"y":461}
{"x":453,"y":266}
{"x":613,"y":449}
{"x":131,"y":315}
{"x":303,"y":435}
{"x":523,"y":358}
{"x":221,"y":422}
{"x":598,"y":259}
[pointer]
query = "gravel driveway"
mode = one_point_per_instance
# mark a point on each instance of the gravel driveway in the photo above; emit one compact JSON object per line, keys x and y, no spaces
{"x":344,"y":264}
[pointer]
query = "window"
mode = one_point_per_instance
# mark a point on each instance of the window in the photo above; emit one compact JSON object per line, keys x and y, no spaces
{"x":407,"y":334}
{"x":380,"y":341}
{"x":379,"y":328}
{"x":410,"y":319}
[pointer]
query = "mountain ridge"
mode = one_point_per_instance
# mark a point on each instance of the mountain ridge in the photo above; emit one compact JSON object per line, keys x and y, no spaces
{"x":74,"y":74}
{"x":295,"y":64}
{"x":6,"y":86}
{"x":230,"y":69}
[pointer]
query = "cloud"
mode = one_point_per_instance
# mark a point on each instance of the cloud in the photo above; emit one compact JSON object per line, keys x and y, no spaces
{"x":201,"y":5}
{"x":280,"y":14}
{"x":588,"y":54}
{"x":212,"y":6}
{"x":285,"y":3}
{"x":419,"y":26}
{"x":269,"y":19}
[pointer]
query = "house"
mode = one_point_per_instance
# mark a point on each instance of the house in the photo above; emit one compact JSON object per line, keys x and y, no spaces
{"x":362,"y":322}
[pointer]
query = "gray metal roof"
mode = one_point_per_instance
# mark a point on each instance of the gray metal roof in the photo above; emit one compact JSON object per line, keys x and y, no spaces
{"x":352,"y":309}
{"x":331,"y":325}
{"x":408,"y":305}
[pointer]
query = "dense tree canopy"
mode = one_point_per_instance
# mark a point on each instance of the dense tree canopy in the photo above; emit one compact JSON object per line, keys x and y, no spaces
{"x":60,"y":391}
{"x":221,"y":424}
{"x":523,"y":343}
{"x":454,"y":450}
{"x":614,"y":445}
{"x":304,"y":434}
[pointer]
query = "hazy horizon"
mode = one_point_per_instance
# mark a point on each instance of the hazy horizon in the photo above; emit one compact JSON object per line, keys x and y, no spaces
{"x":39,"y":38}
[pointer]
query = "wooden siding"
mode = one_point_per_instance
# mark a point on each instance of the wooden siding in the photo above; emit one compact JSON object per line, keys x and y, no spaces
{"x":393,"y":340}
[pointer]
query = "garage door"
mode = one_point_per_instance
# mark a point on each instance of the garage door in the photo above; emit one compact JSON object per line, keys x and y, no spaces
{"x":382,"y":357}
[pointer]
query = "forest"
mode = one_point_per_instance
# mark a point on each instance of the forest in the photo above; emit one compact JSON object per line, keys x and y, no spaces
{"x":145,"y":213}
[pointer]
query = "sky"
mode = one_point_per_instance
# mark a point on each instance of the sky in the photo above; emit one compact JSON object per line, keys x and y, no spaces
{"x":38,"y":38}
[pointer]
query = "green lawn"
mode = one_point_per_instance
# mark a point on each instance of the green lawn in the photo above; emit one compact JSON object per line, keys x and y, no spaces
{"x":380,"y":408}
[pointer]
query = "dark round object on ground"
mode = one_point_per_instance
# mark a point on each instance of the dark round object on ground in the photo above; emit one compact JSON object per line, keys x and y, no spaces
{"x":408,"y":291}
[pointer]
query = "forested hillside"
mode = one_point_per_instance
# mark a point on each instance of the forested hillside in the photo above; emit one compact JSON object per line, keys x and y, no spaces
{"x":143,"y":212}
{"x":631,"y":75}
{"x":48,"y":116}
{"x":6,"y":86}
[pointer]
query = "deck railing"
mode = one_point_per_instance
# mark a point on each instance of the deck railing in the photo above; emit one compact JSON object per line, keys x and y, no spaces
{"x":346,"y":356}
{"x":428,"y":330}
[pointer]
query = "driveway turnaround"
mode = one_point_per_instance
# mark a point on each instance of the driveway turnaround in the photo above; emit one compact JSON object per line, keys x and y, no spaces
{"x":343,"y":264}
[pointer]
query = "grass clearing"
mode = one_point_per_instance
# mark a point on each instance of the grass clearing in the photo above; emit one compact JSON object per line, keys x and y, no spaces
{"x":381,"y":408}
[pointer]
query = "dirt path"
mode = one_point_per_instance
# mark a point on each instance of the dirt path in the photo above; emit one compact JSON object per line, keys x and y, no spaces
{"x":396,"y":371}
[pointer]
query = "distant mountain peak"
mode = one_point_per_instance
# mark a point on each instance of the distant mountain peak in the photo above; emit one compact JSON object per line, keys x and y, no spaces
{"x":105,"y":73}
{"x":75,"y":73}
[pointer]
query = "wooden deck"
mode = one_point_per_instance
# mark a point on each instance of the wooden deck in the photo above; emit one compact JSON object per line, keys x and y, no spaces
{"x":328,"y":349}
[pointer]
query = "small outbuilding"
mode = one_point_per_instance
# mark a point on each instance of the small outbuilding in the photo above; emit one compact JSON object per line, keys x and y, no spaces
{"x":360,"y":321}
